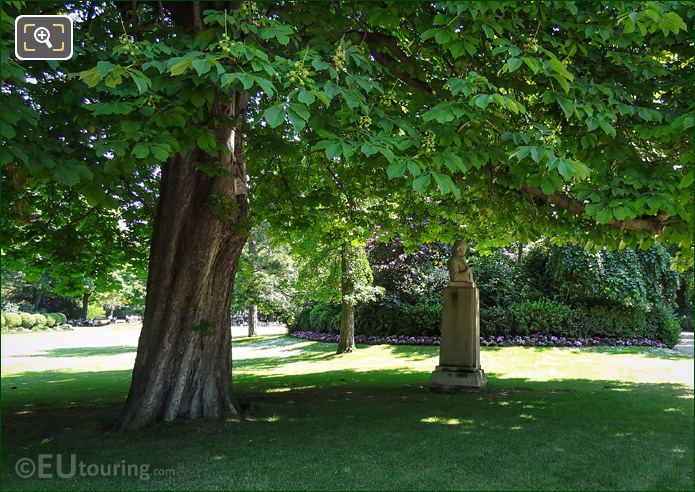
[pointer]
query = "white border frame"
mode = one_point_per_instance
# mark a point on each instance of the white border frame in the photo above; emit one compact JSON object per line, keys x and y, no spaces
{"x":72,"y":37}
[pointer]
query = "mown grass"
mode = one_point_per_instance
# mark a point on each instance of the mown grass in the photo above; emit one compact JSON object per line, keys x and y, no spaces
{"x":550,"y":419}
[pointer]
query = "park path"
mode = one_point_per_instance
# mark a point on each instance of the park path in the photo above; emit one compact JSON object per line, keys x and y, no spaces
{"x":119,"y":336}
{"x":686,"y":343}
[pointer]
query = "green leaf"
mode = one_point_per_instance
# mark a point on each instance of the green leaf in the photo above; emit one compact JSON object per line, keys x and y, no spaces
{"x":396,"y":170}
{"x":566,"y":168}
{"x":306,"y":97}
{"x":536,"y":154}
{"x":105,"y":67}
{"x":201,"y":66}
{"x":180,"y":67}
{"x":347,"y":150}
{"x":453,"y":162}
{"x":301,"y":110}
{"x":563,"y":83}
{"x":414,"y":168}
{"x":421,"y":183}
{"x":457,"y":48}
{"x":275,"y":115}
{"x":567,"y":106}
{"x":141,"y":150}
{"x":513,"y":64}
{"x":442,"y":36}
{"x":604,"y":216}
{"x":141,"y":80}
{"x":687,"y":180}
{"x":91,"y":77}
{"x":622,"y":212}
{"x":369,"y":149}
{"x":671,"y":22}
{"x":66,"y":175}
{"x":334,"y":150}
{"x":297,"y":120}
{"x":207,"y":141}
{"x":483,"y":100}
{"x":266,"y":85}
{"x":532,"y":63}
{"x":159,"y":152}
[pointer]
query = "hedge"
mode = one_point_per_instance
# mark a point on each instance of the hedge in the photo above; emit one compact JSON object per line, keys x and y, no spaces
{"x":28,"y":320}
{"x":36,"y":321}
{"x":390,"y":317}
{"x":13,"y":320}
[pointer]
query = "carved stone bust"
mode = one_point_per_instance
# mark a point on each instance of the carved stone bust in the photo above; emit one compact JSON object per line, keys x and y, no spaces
{"x":459,"y":271}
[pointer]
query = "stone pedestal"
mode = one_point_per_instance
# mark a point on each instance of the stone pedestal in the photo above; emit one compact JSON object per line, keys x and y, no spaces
{"x":459,"y":351}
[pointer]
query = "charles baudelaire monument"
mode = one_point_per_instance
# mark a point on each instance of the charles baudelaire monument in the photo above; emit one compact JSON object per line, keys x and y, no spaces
{"x":459,"y":352}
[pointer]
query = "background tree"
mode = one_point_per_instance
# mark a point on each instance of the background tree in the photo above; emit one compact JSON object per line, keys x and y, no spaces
{"x":265,"y":278}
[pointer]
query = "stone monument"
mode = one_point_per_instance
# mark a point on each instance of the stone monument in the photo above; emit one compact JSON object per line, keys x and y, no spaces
{"x":459,"y":350}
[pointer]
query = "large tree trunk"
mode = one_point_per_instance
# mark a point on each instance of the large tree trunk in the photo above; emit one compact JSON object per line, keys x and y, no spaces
{"x":85,"y":305}
{"x":347,"y":301}
{"x":253,"y":320}
{"x":183,"y":363}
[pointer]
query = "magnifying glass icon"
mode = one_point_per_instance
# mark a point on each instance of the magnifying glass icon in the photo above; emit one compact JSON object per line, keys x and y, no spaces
{"x":43,"y":35}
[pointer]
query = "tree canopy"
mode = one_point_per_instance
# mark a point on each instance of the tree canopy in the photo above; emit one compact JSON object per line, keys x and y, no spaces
{"x":494,"y":121}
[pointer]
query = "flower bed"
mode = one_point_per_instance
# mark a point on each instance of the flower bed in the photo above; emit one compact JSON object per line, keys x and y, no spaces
{"x":491,"y":341}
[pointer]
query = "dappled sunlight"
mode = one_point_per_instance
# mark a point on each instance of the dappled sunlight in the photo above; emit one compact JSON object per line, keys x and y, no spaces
{"x":288,"y":389}
{"x":446,"y":421}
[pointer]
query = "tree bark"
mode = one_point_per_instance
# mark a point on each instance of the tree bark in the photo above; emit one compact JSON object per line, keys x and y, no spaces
{"x":653,"y":225}
{"x":85,"y":305}
{"x":253,"y":310}
{"x":347,"y":301}
{"x":36,"y":298}
{"x":253,"y":320}
{"x":183,"y":363}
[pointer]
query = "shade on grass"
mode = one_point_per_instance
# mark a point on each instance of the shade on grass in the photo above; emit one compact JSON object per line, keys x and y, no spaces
{"x":601,"y":418}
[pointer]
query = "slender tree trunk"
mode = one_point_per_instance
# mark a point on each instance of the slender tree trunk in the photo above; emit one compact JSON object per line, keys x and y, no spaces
{"x":85,"y":305}
{"x":253,"y":320}
{"x":519,"y":251}
{"x":253,"y":310}
{"x":347,"y":302}
{"x":36,"y":298}
{"x":183,"y":363}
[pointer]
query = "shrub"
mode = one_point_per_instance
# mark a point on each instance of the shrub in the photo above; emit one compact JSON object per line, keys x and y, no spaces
{"x":50,"y":320}
{"x":320,"y":317}
{"x":39,"y":321}
{"x":494,"y":276}
{"x":390,"y":316}
{"x":613,"y":321}
{"x":28,"y":320}
{"x":662,"y":323}
{"x":55,"y":319}
{"x":2,"y":320}
{"x":542,"y":317}
{"x":13,"y":320}
{"x":495,"y":320}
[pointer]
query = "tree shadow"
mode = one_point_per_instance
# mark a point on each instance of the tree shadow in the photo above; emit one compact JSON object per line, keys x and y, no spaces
{"x":590,"y":433}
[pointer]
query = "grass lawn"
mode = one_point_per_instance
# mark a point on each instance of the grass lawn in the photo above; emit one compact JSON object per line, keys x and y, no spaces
{"x":551,"y":418}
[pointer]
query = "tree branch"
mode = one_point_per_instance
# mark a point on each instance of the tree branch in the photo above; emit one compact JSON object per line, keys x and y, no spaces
{"x":652,"y":225}
{"x":397,"y":56}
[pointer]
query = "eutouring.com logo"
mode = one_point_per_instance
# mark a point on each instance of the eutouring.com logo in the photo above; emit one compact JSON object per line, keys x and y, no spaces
{"x":49,"y":466}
